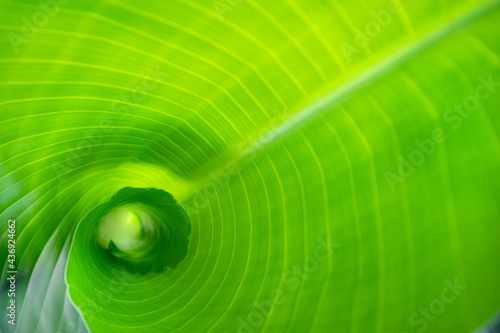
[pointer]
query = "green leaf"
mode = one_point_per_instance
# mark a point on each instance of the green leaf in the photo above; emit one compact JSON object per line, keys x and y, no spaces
{"x":338,"y":162}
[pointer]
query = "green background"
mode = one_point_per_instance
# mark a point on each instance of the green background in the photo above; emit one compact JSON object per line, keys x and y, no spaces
{"x":323,"y":130}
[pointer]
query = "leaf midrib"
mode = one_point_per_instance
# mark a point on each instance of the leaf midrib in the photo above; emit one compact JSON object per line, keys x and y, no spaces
{"x":187,"y":188}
